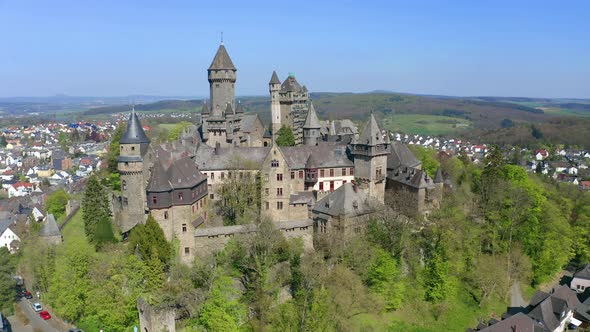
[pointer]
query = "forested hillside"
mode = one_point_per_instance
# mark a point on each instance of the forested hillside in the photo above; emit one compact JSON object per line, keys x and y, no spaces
{"x":497,"y":226}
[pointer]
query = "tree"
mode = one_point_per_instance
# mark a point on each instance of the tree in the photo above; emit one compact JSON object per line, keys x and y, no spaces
{"x":175,"y":132}
{"x":95,"y":209}
{"x":103,"y":233}
{"x":428,"y":159}
{"x":536,"y":132}
{"x":285,"y":136}
{"x":149,"y":241}
{"x":7,"y":283}
{"x":3,"y":142}
{"x":56,"y":203}
{"x":240,"y":192}
{"x":436,"y":272}
{"x":222,"y":311}
{"x":381,"y":278}
{"x":506,"y":123}
{"x":114,"y":148}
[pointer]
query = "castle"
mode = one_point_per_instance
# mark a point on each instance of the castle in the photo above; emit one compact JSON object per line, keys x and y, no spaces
{"x":332,"y":180}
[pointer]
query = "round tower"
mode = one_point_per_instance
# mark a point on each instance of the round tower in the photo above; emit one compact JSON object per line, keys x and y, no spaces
{"x":274,"y":86}
{"x":222,"y":80}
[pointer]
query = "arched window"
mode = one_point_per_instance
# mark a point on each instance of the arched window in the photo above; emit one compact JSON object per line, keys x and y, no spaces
{"x":165,"y":214}
{"x":124,"y":185}
{"x":274,"y":163}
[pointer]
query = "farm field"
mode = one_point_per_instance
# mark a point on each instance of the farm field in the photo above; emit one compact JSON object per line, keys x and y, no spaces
{"x":425,"y":124}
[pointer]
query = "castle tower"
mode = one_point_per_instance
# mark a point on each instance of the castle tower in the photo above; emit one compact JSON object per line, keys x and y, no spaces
{"x":274,"y":86}
{"x":311,"y":128}
{"x":134,"y":145}
{"x":370,"y":152}
{"x":222,"y":80}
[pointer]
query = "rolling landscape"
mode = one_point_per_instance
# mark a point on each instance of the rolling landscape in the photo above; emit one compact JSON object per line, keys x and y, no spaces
{"x":499,"y":120}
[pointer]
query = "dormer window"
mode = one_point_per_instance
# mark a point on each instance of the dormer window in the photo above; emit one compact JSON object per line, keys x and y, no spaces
{"x":180,"y":196}
{"x":154,"y":200}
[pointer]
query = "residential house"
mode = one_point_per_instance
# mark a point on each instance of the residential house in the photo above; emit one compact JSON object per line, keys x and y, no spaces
{"x":581,"y":279}
{"x":8,"y":236}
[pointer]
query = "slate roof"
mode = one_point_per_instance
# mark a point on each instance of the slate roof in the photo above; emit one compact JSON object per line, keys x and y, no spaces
{"x":371,"y":134}
{"x":205,"y":109}
{"x":519,"y":322}
{"x":181,"y":173}
{"x":549,"y":310}
{"x":583,"y":273}
{"x":312,"y":122}
{"x":49,"y":227}
{"x":251,"y":157}
{"x":291,"y":85}
{"x":438,"y":178}
{"x":401,"y":156}
{"x":222,"y":60}
{"x":134,"y":133}
{"x":304,"y":197}
{"x":412,"y":177}
{"x":324,"y":156}
{"x":4,"y":224}
{"x":274,"y":79}
{"x":345,"y":201}
{"x":248,"y":123}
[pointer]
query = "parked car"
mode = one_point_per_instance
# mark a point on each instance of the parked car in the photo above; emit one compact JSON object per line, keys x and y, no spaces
{"x":28,"y":295}
{"x":45,"y":315}
{"x":37,"y":306}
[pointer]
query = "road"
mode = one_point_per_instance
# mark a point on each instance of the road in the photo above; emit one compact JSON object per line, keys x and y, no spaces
{"x":516,"y":299}
{"x":35,"y":321}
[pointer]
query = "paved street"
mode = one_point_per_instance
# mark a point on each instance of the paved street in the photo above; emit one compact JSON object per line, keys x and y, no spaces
{"x":516,"y":299}
{"x":35,"y":321}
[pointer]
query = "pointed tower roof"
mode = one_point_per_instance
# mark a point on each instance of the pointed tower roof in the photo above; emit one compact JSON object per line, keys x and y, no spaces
{"x":274,"y":79}
{"x":205,"y":109}
{"x":311,"y":162}
{"x":439,"y":177}
{"x":134,"y":133}
{"x":222,"y":60}
{"x":229,"y":109}
{"x":371,"y":134}
{"x":312,"y":119}
{"x":240,"y":108}
{"x":50,"y":227}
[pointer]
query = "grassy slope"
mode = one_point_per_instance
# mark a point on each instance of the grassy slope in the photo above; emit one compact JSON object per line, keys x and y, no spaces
{"x":424,"y":124}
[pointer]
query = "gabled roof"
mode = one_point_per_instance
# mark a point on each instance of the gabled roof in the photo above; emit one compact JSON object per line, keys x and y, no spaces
{"x":401,"y":156}
{"x":371,"y":134}
{"x":222,"y":60}
{"x":134,"y":133}
{"x":312,"y":122}
{"x":584,"y":272}
{"x":178,"y":174}
{"x":274,"y":79}
{"x":345,"y":201}
{"x":519,"y":322}
{"x":50,"y":227}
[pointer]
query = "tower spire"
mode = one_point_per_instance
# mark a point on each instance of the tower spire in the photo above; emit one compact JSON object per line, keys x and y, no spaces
{"x":221,"y":37}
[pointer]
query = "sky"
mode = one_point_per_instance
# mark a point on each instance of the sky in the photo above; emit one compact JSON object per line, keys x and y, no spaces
{"x":460,"y":48}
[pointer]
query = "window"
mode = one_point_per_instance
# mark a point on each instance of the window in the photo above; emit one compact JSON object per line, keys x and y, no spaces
{"x":292,"y":175}
{"x":321,"y":172}
{"x":165,"y":214}
{"x":266,"y":177}
{"x":193,"y":207}
{"x":154,"y":200}
{"x":266,"y":191}
{"x":124,"y":185}
{"x":180,"y":196}
{"x":279,"y":191}
{"x":344,"y":172}
{"x":222,"y":175}
{"x":343,"y":181}
{"x":322,"y":227}
{"x":211,"y":196}
{"x":279,"y":205}
{"x":201,"y":203}
{"x":331,"y":185}
{"x":351,"y":171}
{"x":132,"y":148}
{"x":212,"y":176}
{"x":331,"y":172}
{"x":378,"y":172}
{"x":301,"y":174}
{"x":267,"y":205}
{"x":184,"y":228}
{"x":274,"y":163}
{"x":125,"y":201}
{"x":321,"y":186}
{"x":279,"y":177}
{"x":187,"y":250}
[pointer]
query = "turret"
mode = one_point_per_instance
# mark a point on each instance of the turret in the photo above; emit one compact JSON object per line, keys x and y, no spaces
{"x":274,"y":86}
{"x":133,"y":147}
{"x":311,"y":128}
{"x":370,"y":152}
{"x":222,"y":79}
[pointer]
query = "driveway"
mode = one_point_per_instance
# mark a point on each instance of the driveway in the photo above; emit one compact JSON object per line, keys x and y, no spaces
{"x":516,"y":299}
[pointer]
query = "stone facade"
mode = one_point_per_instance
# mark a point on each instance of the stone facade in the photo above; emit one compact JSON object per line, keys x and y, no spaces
{"x":153,"y":319}
{"x":289,"y":105}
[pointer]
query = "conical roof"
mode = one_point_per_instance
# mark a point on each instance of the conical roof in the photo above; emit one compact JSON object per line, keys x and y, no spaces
{"x":205,"y":109}
{"x":229,"y":109}
{"x":240,"y":108}
{"x":222,"y":60}
{"x":312,"y":119}
{"x":50,"y":227}
{"x":371,"y":134}
{"x":134,"y":133}
{"x":439,"y":177}
{"x":274,"y":79}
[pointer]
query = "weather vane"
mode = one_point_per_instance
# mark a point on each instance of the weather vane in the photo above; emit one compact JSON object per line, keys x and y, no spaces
{"x":221,"y":37}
